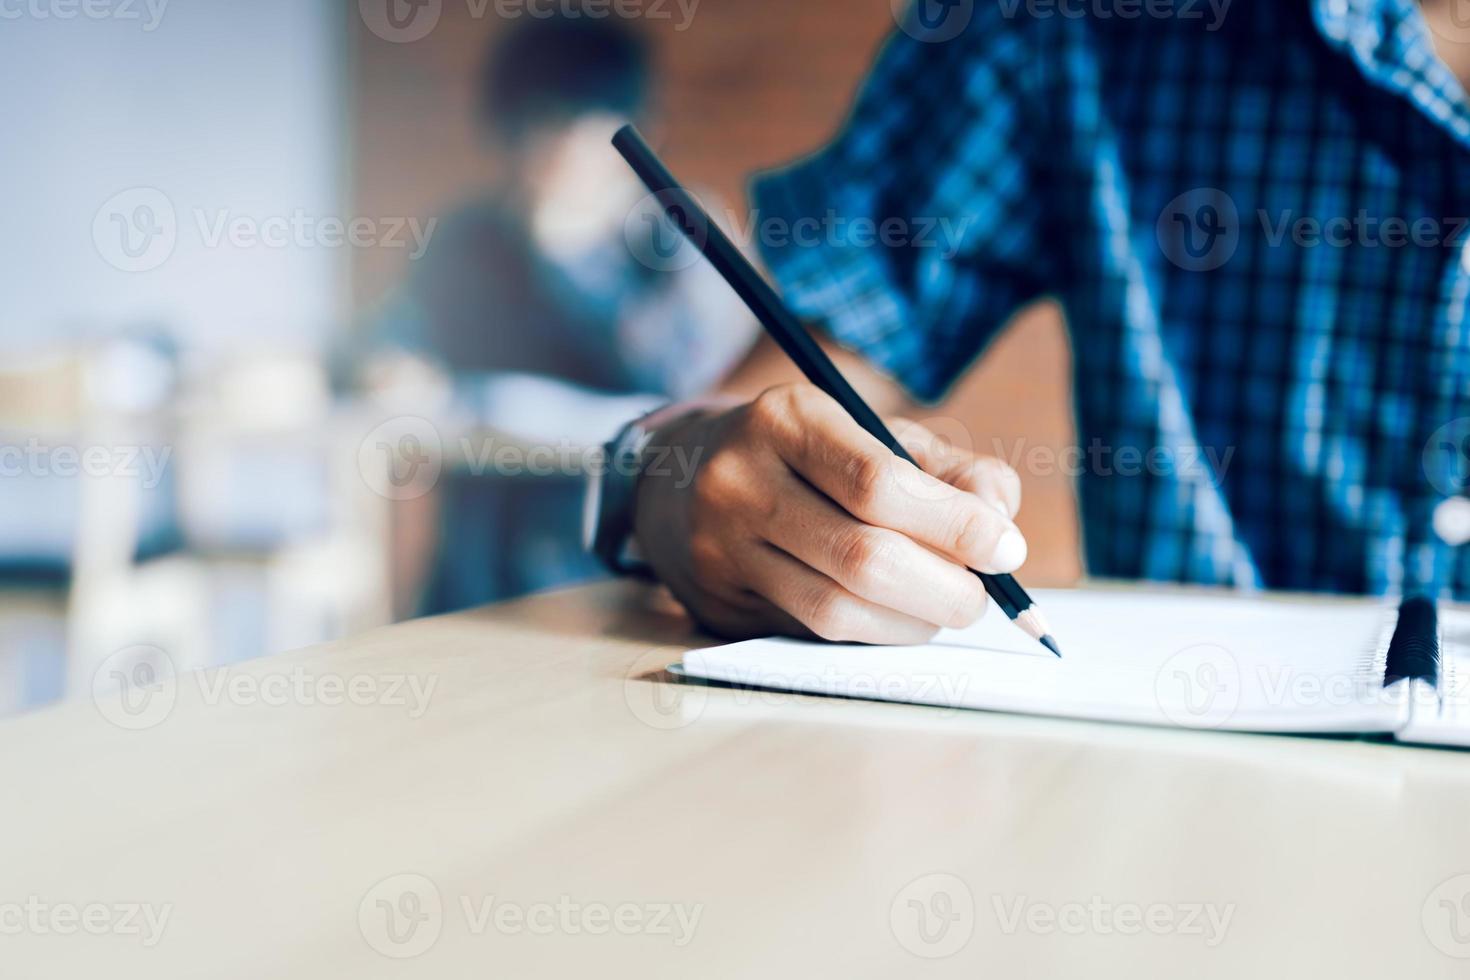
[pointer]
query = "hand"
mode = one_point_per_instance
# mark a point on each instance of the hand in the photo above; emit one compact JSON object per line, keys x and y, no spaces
{"x":797,"y":521}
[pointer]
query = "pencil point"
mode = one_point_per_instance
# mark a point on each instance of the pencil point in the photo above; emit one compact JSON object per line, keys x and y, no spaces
{"x":1051,"y":645}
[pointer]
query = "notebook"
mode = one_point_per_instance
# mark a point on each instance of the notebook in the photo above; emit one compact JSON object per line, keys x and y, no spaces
{"x":1204,"y":661}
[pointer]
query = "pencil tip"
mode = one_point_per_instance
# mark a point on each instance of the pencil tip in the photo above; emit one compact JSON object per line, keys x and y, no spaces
{"x":1051,"y":645}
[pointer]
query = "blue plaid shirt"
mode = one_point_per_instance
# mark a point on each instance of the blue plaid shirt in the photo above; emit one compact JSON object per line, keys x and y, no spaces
{"x":1254,"y":223}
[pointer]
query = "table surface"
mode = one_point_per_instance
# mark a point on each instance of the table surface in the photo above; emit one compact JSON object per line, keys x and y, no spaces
{"x":520,"y":791}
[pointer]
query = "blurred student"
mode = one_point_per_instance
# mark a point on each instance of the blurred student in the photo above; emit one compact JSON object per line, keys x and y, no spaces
{"x":533,"y":302}
{"x":1254,"y":217}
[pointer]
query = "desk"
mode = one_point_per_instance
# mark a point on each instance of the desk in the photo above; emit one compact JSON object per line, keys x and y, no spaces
{"x":547,"y":805}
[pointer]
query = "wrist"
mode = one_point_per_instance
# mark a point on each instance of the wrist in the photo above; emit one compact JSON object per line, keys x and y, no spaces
{"x":615,"y":479}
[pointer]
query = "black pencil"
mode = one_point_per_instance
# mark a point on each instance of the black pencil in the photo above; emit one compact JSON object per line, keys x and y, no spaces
{"x":694,"y":222}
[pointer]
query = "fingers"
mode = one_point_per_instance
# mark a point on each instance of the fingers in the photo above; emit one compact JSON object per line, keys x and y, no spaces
{"x":824,"y":608}
{"x":875,"y":564}
{"x":988,"y":478}
{"x":818,"y":440}
{"x":798,"y":521}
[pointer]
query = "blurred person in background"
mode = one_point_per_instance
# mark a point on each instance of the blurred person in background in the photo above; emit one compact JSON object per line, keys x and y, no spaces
{"x":533,"y":305}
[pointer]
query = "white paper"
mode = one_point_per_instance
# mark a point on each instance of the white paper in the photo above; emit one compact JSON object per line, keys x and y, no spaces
{"x":1163,"y":658}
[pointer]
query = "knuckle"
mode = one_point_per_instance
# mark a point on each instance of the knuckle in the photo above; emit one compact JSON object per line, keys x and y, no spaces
{"x":717,"y":479}
{"x":775,"y":406}
{"x":858,"y":555}
{"x":866,"y":480}
{"x":706,"y":555}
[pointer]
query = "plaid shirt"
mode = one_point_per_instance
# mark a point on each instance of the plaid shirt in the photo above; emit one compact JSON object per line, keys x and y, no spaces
{"x":1254,"y":224}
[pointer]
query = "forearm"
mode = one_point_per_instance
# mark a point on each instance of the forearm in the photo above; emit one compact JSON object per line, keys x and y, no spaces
{"x":767,"y":366}
{"x":541,"y":408}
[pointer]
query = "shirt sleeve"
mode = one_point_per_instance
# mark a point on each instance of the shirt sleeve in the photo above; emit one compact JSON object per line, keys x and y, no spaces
{"x":916,"y":235}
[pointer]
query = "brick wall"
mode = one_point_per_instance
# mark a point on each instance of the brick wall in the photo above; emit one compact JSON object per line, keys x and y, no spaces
{"x":747,"y":84}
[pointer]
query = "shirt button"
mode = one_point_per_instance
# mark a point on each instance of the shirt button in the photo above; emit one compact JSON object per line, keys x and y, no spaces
{"x":1452,"y":521}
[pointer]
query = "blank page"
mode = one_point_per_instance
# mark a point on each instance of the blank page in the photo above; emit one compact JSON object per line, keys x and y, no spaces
{"x":1167,"y":658}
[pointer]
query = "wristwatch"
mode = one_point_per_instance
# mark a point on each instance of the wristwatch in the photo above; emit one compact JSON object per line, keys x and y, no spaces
{"x":612,"y":493}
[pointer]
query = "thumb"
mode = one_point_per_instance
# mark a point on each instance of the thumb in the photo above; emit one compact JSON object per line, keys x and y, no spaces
{"x":988,"y":478}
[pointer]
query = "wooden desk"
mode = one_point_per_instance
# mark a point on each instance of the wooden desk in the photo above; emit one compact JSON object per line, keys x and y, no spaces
{"x":796,"y":837}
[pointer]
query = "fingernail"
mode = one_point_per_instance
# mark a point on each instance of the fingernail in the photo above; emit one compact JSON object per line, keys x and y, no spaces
{"x":1000,"y":508}
{"x":1010,"y":552}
